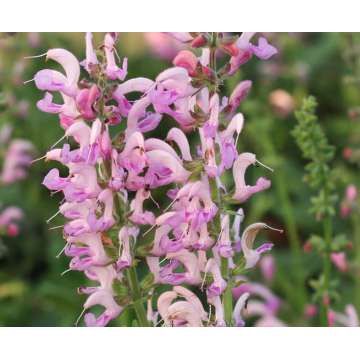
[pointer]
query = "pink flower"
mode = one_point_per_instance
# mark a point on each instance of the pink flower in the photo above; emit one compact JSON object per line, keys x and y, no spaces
{"x":263,"y":51}
{"x":91,"y":58}
{"x":219,"y":284}
{"x":112,"y":174}
{"x":125,"y":259}
{"x":181,"y":36}
{"x":247,"y":241}
{"x":224,"y":246}
{"x":163,"y":45}
{"x":310,"y":311}
{"x":85,"y":100}
{"x":349,"y":318}
{"x":351,"y":193}
{"x":102,"y":295}
{"x":179,"y":138}
{"x":189,"y":261}
{"x":268,"y":267}
{"x":219,"y":310}
{"x":17,"y":160}
{"x":187,"y":312}
{"x":10,"y":216}
{"x":349,"y":201}
{"x":265,"y":308}
{"x":239,"y":94}
{"x":339,"y":260}
{"x":71,"y":67}
{"x":239,"y":306}
{"x":243,"y":191}
{"x":139,"y":216}
{"x":113,"y":72}
{"x":159,"y":162}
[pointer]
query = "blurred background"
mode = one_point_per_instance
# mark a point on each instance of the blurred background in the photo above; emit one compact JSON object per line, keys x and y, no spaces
{"x":326,"y":65}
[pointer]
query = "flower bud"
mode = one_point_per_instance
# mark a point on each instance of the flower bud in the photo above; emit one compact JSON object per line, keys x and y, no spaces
{"x":187,"y":60}
{"x":310,"y":311}
{"x":12,"y":230}
{"x":351,"y":193}
{"x":339,"y":260}
{"x":347,"y":153}
{"x":331,"y":318}
{"x":239,"y":94}
{"x":230,"y":49}
{"x":199,"y":41}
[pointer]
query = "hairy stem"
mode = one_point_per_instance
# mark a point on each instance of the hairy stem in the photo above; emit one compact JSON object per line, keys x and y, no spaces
{"x":227,"y":295}
{"x":131,"y":274}
{"x":136,"y":296}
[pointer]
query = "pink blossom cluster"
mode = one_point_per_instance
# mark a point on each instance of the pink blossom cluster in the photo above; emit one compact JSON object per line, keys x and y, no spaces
{"x":263,"y":306}
{"x":9,"y":218}
{"x":15,"y":158}
{"x":113,"y":223}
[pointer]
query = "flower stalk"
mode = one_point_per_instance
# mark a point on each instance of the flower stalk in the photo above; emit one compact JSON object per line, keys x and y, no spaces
{"x":110,"y":226}
{"x":315,"y":147}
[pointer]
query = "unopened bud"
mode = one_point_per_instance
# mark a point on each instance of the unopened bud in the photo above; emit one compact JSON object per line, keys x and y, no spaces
{"x":347,"y":152}
{"x":230,"y":49}
{"x":310,"y":311}
{"x":199,"y":41}
{"x":187,"y":60}
{"x":12,"y":230}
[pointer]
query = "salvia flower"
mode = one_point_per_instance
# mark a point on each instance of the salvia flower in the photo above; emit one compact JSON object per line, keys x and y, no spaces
{"x":349,"y":318}
{"x":112,"y":221}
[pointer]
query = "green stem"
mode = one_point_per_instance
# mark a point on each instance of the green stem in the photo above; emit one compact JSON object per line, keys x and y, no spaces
{"x":227,"y":295}
{"x":131,"y":274}
{"x":136,"y":296}
{"x":224,"y":266}
{"x":327,"y":225}
{"x":215,"y":194}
